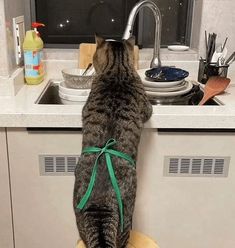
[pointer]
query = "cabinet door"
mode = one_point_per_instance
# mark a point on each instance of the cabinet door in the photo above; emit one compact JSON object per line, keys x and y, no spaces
{"x":6,"y":234}
{"x":185,"y":211}
{"x":42,"y":204}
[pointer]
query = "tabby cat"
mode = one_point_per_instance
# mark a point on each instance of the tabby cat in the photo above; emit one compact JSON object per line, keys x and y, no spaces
{"x":116,"y":109}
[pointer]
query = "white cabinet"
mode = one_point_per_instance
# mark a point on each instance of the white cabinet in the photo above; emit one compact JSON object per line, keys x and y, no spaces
{"x":6,"y":234}
{"x":42,"y":204}
{"x":183,"y":211}
{"x":179,"y":212}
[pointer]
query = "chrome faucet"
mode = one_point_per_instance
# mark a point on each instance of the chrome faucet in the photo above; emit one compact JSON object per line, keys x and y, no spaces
{"x":156,"y":61}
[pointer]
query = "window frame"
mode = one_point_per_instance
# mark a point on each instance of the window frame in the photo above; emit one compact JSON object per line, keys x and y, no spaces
{"x":189,"y":25}
{"x":188,"y":33}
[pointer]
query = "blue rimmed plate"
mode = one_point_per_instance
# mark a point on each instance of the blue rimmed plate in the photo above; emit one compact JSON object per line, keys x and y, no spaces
{"x":153,"y":84}
{"x":166,"y":74}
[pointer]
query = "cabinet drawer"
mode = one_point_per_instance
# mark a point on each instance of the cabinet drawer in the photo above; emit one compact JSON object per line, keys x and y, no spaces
{"x":185,"y":211}
{"x":6,"y":233}
{"x":42,"y":205}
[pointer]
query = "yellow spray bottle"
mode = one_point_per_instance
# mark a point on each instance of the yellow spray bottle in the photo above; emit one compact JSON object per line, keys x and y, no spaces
{"x":32,"y":46}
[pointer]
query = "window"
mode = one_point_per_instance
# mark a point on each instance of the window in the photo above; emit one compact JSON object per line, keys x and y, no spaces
{"x":70,"y":22}
{"x":176,"y":23}
{"x":76,"y":21}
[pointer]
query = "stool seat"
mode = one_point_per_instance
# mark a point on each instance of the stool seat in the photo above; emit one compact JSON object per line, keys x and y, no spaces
{"x":136,"y":240}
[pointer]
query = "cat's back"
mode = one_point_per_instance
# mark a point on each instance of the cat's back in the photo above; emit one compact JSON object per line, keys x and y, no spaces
{"x":117,"y":93}
{"x":112,"y":109}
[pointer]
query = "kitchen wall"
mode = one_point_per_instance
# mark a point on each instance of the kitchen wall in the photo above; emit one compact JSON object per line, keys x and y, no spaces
{"x":216,"y":16}
{"x":211,"y":15}
{"x":3,"y":52}
{"x":8,"y":10}
{"x":13,"y":8}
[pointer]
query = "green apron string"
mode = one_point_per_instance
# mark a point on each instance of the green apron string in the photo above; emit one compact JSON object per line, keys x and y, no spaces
{"x":108,"y":153}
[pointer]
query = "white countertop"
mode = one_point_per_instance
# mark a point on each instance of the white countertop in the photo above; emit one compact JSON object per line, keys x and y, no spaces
{"x":21,"y":110}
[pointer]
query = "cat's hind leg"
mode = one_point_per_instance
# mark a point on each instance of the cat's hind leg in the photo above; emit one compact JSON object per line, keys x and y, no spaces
{"x":99,"y":226}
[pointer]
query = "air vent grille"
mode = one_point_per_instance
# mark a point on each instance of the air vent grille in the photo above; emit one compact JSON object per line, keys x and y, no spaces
{"x":49,"y":164}
{"x":58,"y":165}
{"x":219,"y":166}
{"x":185,"y":164}
{"x":173,"y":168}
{"x":71,"y":163}
{"x":196,"y":166}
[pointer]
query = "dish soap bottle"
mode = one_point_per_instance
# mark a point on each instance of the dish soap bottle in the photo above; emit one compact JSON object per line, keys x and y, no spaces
{"x":32,"y":46}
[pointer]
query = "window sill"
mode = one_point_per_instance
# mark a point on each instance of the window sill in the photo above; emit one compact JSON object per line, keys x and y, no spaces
{"x":145,"y":54}
{"x":167,"y":55}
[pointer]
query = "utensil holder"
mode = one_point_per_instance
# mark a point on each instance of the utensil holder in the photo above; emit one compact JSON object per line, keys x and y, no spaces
{"x":207,"y":70}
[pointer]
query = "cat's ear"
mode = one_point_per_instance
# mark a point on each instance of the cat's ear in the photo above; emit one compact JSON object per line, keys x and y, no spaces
{"x":99,"y":40}
{"x":130,"y":42}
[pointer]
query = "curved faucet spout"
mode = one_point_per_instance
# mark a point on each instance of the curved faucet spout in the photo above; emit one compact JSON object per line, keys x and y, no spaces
{"x":156,"y":61}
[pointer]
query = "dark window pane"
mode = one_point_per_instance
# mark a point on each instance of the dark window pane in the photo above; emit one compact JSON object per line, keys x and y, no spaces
{"x":175,"y":22}
{"x":76,"y":21}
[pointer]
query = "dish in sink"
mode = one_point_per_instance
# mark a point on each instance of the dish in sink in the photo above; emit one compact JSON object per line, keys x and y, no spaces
{"x":166,"y":74}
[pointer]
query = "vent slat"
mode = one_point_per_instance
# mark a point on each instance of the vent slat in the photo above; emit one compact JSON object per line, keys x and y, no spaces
{"x":196,"y":166}
{"x":71,"y":168}
{"x":185,"y":165}
{"x":207,"y":166}
{"x":71,"y":160}
{"x":219,"y":166}
{"x":49,"y":164}
{"x":58,"y":165}
{"x":49,"y":160}
{"x":49,"y":168}
{"x":173,"y":167}
{"x":60,"y":160}
{"x":60,"y":168}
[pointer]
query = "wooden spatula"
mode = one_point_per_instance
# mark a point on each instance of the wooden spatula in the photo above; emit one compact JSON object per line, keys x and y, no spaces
{"x":214,"y":86}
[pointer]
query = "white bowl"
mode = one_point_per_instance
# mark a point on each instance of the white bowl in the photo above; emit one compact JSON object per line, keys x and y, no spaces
{"x":72,"y":97}
{"x":73,"y":92}
{"x":181,"y":86}
{"x":74,"y":79}
{"x":66,"y":102}
{"x":178,"y":48}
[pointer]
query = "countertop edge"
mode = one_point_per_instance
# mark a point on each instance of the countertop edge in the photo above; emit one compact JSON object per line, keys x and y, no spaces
{"x":166,"y":121}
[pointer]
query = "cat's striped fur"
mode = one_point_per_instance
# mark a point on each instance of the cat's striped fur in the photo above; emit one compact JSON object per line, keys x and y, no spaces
{"x":116,"y":108}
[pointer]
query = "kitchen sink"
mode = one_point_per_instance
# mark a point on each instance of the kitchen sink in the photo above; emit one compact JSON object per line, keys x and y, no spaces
{"x":50,"y":95}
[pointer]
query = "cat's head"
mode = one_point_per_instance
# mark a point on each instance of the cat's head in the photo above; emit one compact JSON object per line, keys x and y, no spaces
{"x":108,"y":51}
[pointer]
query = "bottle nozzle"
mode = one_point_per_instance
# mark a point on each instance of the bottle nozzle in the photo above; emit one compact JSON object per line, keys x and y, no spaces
{"x":37,"y":24}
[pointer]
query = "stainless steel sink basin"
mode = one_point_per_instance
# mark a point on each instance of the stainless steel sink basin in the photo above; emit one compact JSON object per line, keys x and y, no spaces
{"x":50,"y":95}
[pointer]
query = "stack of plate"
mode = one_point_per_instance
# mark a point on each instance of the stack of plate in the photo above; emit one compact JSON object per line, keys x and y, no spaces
{"x":72,"y":96}
{"x":165,"y":82}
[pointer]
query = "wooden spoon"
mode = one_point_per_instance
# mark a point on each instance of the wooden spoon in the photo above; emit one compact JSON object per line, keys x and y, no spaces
{"x":86,"y":70}
{"x":214,"y":86}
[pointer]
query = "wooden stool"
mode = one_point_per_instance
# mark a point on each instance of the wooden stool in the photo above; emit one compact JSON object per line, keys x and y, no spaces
{"x":136,"y":240}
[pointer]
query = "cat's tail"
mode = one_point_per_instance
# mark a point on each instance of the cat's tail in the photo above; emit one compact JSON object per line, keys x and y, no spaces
{"x":101,"y":225}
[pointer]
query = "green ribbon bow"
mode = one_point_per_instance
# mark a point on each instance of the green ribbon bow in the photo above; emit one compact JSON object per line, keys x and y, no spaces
{"x":108,"y":153}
